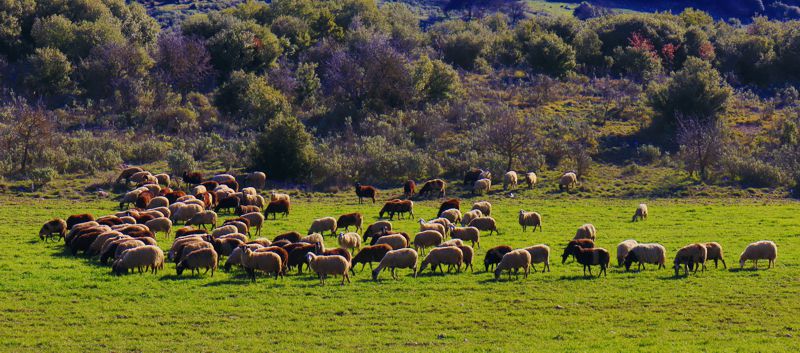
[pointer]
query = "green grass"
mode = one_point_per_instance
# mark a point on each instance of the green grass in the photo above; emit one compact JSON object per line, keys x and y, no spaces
{"x":50,"y":301}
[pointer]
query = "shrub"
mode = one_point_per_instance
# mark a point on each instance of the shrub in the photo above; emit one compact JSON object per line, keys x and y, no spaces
{"x":752,"y":172}
{"x":180,"y":162}
{"x":648,"y":154}
{"x":42,"y":176}
{"x":284,"y":150}
{"x":149,"y":151}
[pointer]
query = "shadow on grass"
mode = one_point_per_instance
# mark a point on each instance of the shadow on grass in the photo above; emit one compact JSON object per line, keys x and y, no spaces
{"x":578,"y":277}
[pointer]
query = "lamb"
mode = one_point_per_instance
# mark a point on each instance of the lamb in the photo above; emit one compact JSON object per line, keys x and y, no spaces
{"x":426,"y":239}
{"x":714,"y":252}
{"x":451,"y":242}
{"x":370,"y":254}
{"x":329,"y":265}
{"x":435,"y":186}
{"x":351,"y":219}
{"x":349,"y":241}
{"x":277,"y":206}
{"x":55,"y":226}
{"x":399,"y":258}
{"x":530,"y":178}
{"x":197,"y":259}
{"x":256,"y":220}
{"x":447,"y":205}
{"x":408,"y":188}
{"x":147,"y":257}
{"x":275,"y":196}
{"x":453,"y":215}
{"x":570,"y":248}
{"x":367,"y":191}
{"x":482,"y":187}
{"x":760,"y":250}
{"x":292,"y":237}
{"x":204,"y":217}
{"x":450,"y":255}
{"x":469,"y":216}
{"x":469,"y":253}
{"x":376,"y":228}
{"x":641,"y":213}
{"x":494,"y":255}
{"x":242,"y":209}
{"x":267,"y":262}
{"x":485,"y":224}
{"x":423,"y":226}
{"x":396,"y":241}
{"x":646,"y":253}
{"x":530,"y":219}
{"x":158,"y":201}
{"x":320,"y":225}
{"x":78,"y":219}
{"x":689,"y":256}
{"x":127,"y":173}
{"x":539,"y":254}
{"x":467,"y":234}
{"x":623,"y":249}
{"x":586,"y":231}
{"x":484,"y":206}
{"x":510,"y":180}
{"x":514,"y":260}
{"x":567,"y":181}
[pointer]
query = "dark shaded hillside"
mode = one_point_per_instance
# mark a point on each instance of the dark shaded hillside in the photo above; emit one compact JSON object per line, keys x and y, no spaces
{"x":741,"y":9}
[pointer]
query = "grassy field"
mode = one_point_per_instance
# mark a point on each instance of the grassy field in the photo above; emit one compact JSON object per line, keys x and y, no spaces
{"x":50,"y":301}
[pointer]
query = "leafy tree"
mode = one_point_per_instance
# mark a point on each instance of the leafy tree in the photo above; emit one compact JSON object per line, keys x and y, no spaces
{"x":243,"y":46}
{"x":249,"y":99}
{"x":181,"y":61}
{"x":49,"y":73}
{"x":115,"y":71}
{"x":180,"y":162}
{"x":434,"y":80}
{"x":461,"y":43}
{"x":284,"y":150}
{"x":55,"y":32}
{"x":545,"y":52}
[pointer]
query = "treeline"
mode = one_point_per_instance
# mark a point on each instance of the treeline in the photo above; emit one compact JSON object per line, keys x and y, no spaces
{"x":331,"y":91}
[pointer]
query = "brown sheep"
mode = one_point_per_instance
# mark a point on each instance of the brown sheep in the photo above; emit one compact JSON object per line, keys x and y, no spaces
{"x":55,"y":226}
{"x":351,"y":219}
{"x":363,"y":191}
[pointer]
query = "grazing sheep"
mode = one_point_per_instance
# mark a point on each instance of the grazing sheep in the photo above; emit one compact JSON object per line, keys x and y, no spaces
{"x":591,"y":257}
{"x":351,"y":219}
{"x":466,"y":234}
{"x":651,"y":253}
{"x":451,"y":242}
{"x":475,"y":174}
{"x":177,"y":246}
{"x":514,"y":260}
{"x":242,"y":209}
{"x":641,"y":213}
{"x":760,"y":250}
{"x":228,"y":203}
{"x":540,"y":254}
{"x":435,"y":186}
{"x":482,"y":187}
{"x":55,"y":226}
{"x":227,"y":229}
{"x":292,"y":237}
{"x":447,"y":205}
{"x":141,"y":177}
{"x":185,"y":212}
{"x":469,"y":216}
{"x":297,"y":256}
{"x":313,"y":238}
{"x":469,"y":254}
{"x":423,"y":226}
{"x":192,"y":246}
{"x":349,"y":241}
{"x":567,"y":181}
{"x":192,"y":178}
{"x":494,"y":255}
{"x":163,"y":179}
{"x":281,"y":252}
{"x":453,"y":215}
{"x":370,"y":254}
{"x":277,"y":206}
{"x":249,"y":191}
{"x":714,"y":252}
{"x":376,"y":228}
{"x":110,"y":220}
{"x":510,"y":180}
{"x":127,"y":173}
{"x":102,"y":238}
{"x":320,"y":225}
{"x":239,"y":236}
{"x":161,"y":224}
{"x":256,"y":180}
{"x":256,"y":220}
{"x":689,"y":256}
{"x":174,"y":196}
{"x":427,"y":238}
{"x":158,"y":201}
{"x":197,"y":259}
{"x":530,"y":178}
{"x":204,"y":217}
{"x":570,"y":248}
{"x":367,"y":191}
{"x":109,"y":250}
{"x":396,"y":241}
{"x":143,"y":257}
{"x":484,"y":206}
{"x":409,"y":187}
{"x":397,"y":206}
{"x":485,"y":224}
{"x":225,"y":245}
{"x":275,"y":196}
{"x":267,"y":262}
{"x":530,"y":219}
{"x":623,"y":248}
{"x":586,"y":231}
{"x":398,"y":258}
{"x":450,"y":256}
{"x":223,"y":178}
{"x":241,"y":224}
{"x":329,"y":265}
{"x":236,"y":256}
{"x":199,"y":189}
{"x":154,"y":189}
{"x":78,"y":219}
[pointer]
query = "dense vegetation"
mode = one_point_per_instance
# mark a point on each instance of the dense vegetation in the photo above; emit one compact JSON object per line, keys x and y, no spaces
{"x":325,"y":93}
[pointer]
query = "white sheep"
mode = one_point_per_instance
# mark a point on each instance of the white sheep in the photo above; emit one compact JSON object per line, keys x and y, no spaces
{"x":514,"y":260}
{"x":485,"y":224}
{"x":267,"y":262}
{"x":399,"y":258}
{"x":641,"y":213}
{"x":623,"y":248}
{"x":314,"y":238}
{"x":202,"y":218}
{"x":467,"y":234}
{"x":423,"y":226}
{"x":226,"y":229}
{"x":274,"y":196}
{"x":425,"y":239}
{"x":199,"y":189}
{"x":453,"y":215}
{"x":185,"y":212}
{"x":484,"y":206}
{"x":349,"y":241}
{"x":158,"y":201}
{"x":650,"y":253}
{"x":539,"y":254}
{"x":250,"y":191}
{"x":530,"y":219}
{"x":760,"y":250}
{"x":256,"y":220}
{"x":396,"y":241}
{"x":469,"y":216}
{"x":163,"y":179}
{"x":451,"y":242}
{"x":320,"y":225}
{"x":161,"y":224}
{"x":586,"y":231}
{"x":144,"y":257}
{"x":530,"y":178}
{"x":482,"y":186}
{"x":715,"y":253}
{"x":450,"y":256}
{"x":567,"y":181}
{"x":324,"y":265}
{"x":510,"y":180}
{"x":201,"y":258}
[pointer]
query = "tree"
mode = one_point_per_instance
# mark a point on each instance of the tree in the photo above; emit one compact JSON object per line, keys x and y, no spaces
{"x":249,"y":99}
{"x":701,"y":142}
{"x":473,"y":7}
{"x":243,"y":46}
{"x":547,"y":53}
{"x":50,"y":72}
{"x":284,"y":150}
{"x":509,"y":134}
{"x":435,"y":80}
{"x":182,"y":61}
{"x":28,"y":133}
{"x":180,"y":162}
{"x":55,"y":32}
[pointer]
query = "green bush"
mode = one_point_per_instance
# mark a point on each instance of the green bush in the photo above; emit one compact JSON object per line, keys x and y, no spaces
{"x":648,"y":154}
{"x":752,"y":172}
{"x":180,"y":162}
{"x":42,"y":176}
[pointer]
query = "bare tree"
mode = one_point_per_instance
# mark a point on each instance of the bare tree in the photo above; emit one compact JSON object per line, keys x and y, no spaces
{"x":28,"y":131}
{"x":510,"y":134}
{"x":701,"y":141}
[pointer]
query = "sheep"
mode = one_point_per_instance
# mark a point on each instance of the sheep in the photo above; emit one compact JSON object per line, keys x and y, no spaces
{"x":297,"y":256}
{"x":224,"y":246}
{"x":101,"y":239}
{"x":197,"y":259}
{"x":174,"y":196}
{"x":78,"y":219}
{"x":277,"y":206}
{"x":567,"y":181}
{"x":453,"y":215}
{"x":161,"y":224}
{"x":313,"y":238}
{"x":281,"y":252}
{"x":227,"y":204}
{"x":641,"y":213}
{"x":185,"y":213}
{"x":256,"y":180}
{"x":249,"y":191}
{"x":689,"y":256}
{"x":177,"y":246}
{"x":510,"y":180}
{"x":252,"y":200}
{"x":158,"y":201}
{"x":236,"y":256}
{"x":186,"y":231}
{"x":469,"y":216}
{"x":228,"y":229}
{"x":397,"y":206}
{"x":451,"y":242}
{"x":447,"y":205}
{"x":328,"y":265}
{"x":528,"y":219}
{"x":370,"y":254}
{"x":140,"y":177}
{"x":148,"y":256}
{"x":351,"y":219}
{"x":485,"y":224}
{"x":242,"y":209}
{"x":204,"y":217}
{"x":123,"y":246}
{"x":651,"y":253}
{"x":197,"y":202}
{"x":570,"y":248}
{"x":591,"y":257}
{"x":586,"y":231}
{"x":256,"y":220}
{"x":109,"y":250}
{"x":469,"y":254}
{"x":530,"y":178}
{"x":714,"y":252}
{"x":239,"y":236}
{"x":375,"y":228}
{"x":367,"y":191}
{"x":484,"y":206}
{"x":320,"y":225}
{"x":192,"y":246}
{"x":396,"y":241}
{"x":192,"y":177}
{"x":494,"y":255}
{"x":292,"y":237}
{"x":163,"y":179}
{"x":760,"y":250}
{"x":409,"y":187}
{"x":435,"y":186}
{"x":623,"y":248}
{"x":84,"y":241}
{"x":349,"y":241}
{"x":514,"y":260}
{"x":475,"y":174}
{"x":427,"y":238}
{"x":467,"y":234}
{"x":423,"y":226}
{"x":110,"y":220}
{"x":127,"y":173}
{"x":223,"y":178}
{"x":450,"y":256}
{"x":207,"y":198}
{"x":482,"y":187}
{"x":444,"y":222}
{"x":185,"y":198}
{"x":398,"y":258}
{"x":79,"y":228}
{"x":539,"y":254}
{"x":275,"y":196}
{"x":55,"y":226}
{"x":267,"y":262}
{"x":241,"y":224}
{"x":154,"y":189}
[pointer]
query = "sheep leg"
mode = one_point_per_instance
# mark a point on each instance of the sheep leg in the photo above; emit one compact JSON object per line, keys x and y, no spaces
{"x":756,"y":263}
{"x":534,"y":268}
{"x":590,"y":270}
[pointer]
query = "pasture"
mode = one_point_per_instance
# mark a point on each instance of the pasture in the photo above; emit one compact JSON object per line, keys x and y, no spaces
{"x":51,"y":301}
